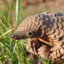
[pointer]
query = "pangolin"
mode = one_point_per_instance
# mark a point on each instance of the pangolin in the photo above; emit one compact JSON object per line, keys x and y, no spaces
{"x":45,"y":33}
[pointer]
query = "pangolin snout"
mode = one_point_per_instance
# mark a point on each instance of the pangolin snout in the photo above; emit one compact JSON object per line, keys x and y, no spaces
{"x":14,"y":36}
{"x":19,"y":35}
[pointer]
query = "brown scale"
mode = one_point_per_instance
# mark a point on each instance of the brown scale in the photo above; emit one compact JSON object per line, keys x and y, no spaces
{"x":49,"y":13}
{"x":57,"y":28}
{"x":57,"y":52}
{"x":52,"y":14}
{"x":60,"y":26}
{"x":54,"y":34}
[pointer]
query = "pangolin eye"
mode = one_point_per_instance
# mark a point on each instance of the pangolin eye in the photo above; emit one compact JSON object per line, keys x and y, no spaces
{"x":30,"y":33}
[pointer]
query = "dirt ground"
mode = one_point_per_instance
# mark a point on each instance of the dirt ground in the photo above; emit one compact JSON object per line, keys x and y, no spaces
{"x":33,"y":7}
{"x":30,"y":7}
{"x":49,"y":5}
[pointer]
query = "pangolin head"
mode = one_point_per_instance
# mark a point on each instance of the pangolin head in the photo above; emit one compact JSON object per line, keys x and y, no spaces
{"x":29,"y":28}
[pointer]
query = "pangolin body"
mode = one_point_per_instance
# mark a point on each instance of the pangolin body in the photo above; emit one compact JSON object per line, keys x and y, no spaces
{"x":51,"y":24}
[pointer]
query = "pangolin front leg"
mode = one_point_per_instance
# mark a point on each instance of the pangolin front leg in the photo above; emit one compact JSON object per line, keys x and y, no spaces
{"x":34,"y":46}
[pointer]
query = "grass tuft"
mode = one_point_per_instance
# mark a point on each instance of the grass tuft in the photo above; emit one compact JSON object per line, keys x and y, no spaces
{"x":12,"y":51}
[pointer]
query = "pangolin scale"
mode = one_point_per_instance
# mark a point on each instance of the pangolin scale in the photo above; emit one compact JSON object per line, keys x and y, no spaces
{"x":49,"y":27}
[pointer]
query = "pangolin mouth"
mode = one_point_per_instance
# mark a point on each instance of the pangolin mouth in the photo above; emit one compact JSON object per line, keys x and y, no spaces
{"x":15,"y":37}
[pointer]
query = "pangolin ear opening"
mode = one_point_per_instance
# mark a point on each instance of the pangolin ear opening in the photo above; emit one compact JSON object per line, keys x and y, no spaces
{"x":40,"y":33}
